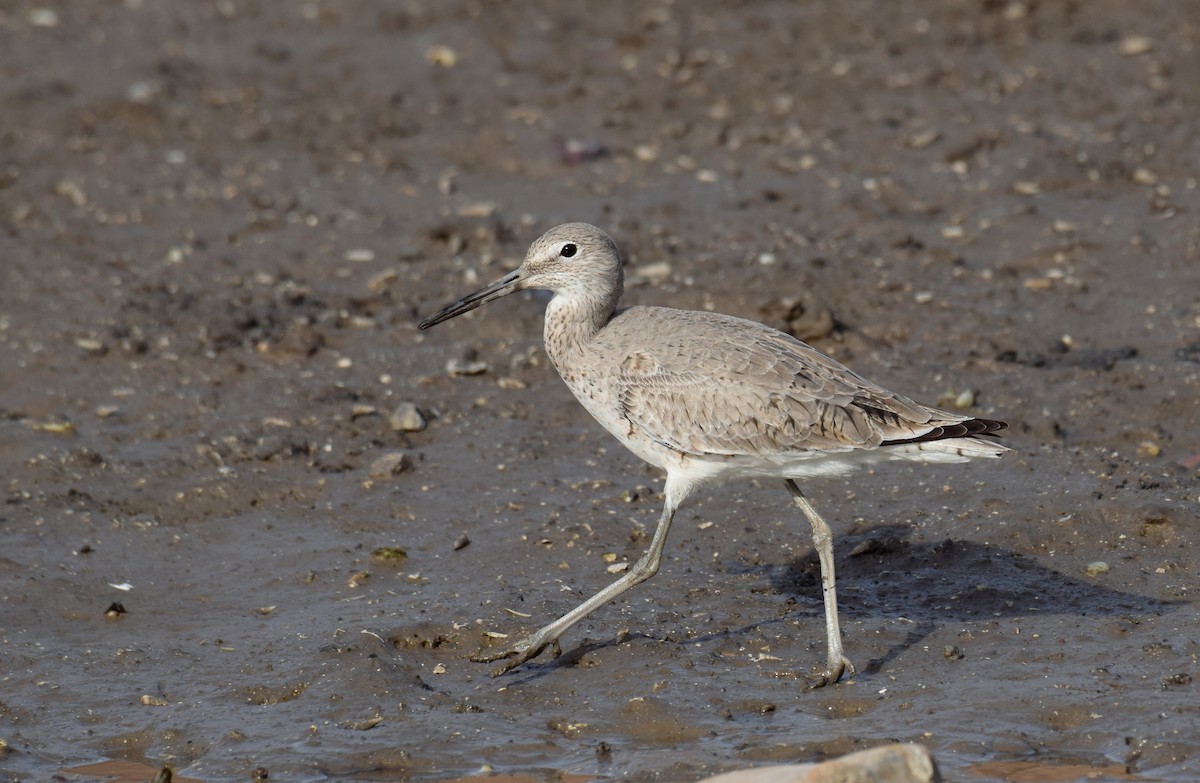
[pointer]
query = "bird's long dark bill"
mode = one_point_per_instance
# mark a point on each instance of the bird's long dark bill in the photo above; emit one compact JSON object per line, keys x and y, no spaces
{"x":502,"y":287}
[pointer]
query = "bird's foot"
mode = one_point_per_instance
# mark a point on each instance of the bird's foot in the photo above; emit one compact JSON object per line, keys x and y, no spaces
{"x":833,"y":672}
{"x":519,"y":653}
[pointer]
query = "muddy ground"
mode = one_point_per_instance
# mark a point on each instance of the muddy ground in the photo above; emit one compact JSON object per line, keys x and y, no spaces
{"x":221,"y":222}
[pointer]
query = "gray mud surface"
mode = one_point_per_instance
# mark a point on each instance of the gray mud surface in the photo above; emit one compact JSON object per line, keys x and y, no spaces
{"x":221,"y":221}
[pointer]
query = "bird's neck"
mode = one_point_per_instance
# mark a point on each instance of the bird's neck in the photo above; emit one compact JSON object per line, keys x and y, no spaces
{"x":572,"y":321}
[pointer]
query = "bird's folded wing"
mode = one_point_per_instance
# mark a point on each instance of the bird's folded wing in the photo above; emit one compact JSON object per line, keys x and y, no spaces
{"x":765,"y":394}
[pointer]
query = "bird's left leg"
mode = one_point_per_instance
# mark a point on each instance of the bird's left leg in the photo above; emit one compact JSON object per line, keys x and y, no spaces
{"x":643,"y":569}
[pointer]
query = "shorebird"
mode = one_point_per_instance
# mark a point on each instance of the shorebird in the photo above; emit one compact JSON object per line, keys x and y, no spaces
{"x":707,"y":397}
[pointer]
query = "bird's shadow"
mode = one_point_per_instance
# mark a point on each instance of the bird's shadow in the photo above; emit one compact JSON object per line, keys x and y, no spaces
{"x":882,"y":573}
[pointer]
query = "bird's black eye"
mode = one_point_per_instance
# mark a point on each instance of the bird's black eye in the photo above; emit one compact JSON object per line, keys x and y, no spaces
{"x":569,"y":250}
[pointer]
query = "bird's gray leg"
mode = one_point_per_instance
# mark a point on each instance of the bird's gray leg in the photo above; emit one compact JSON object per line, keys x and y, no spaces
{"x":835,"y":663}
{"x":643,"y":569}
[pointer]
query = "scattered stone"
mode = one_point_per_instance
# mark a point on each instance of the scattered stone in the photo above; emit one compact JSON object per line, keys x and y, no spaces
{"x":71,"y":191}
{"x":363,"y":725}
{"x":646,"y":152}
{"x":1148,"y":449}
{"x":42,"y":17}
{"x":796,"y":318}
{"x":461,"y":542}
{"x":92,"y":345}
{"x":1097,"y":568}
{"x":1025,"y":188}
{"x":921,"y":139}
{"x":575,"y":151}
{"x":653,"y":273}
{"x":154,"y":701}
{"x":960,"y":400}
{"x":457,"y":367}
{"x":391,"y":464}
{"x":360,"y":409}
{"x":868,"y":547}
{"x":406,"y":418}
{"x":899,"y":763}
{"x":358,"y":579}
{"x":380,"y":282}
{"x":1015,"y":11}
{"x":1144,"y":176}
{"x":359,"y":255}
{"x":952,"y":652}
{"x":478,"y":209}
{"x":1133,"y":45}
{"x":510,"y":383}
{"x":389,"y":554}
{"x":143,"y":92}
{"x":114,"y":610}
{"x":442,"y":55}
{"x":54,"y":427}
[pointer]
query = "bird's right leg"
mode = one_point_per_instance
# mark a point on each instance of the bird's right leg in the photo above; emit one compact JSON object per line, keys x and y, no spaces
{"x":836,"y":663}
{"x":643,"y":569}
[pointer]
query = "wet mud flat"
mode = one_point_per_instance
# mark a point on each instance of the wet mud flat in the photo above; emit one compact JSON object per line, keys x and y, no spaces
{"x":253,"y":520}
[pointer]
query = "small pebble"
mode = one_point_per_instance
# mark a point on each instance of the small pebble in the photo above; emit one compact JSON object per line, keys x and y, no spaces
{"x":389,"y":554}
{"x":461,"y":542}
{"x":42,"y":17}
{"x":380,"y":282}
{"x":406,"y":418}
{"x":72,"y":191}
{"x":654,"y":273}
{"x":1097,"y":568}
{"x":91,"y":345}
{"x":1148,"y":449}
{"x":478,"y":209}
{"x":923,"y":138}
{"x":357,"y":579}
{"x":1144,"y":176}
{"x":153,"y":701}
{"x":1135,"y":45}
{"x":360,"y":255}
{"x":457,"y":367}
{"x":391,"y":464}
{"x":143,"y":92}
{"x":442,"y":55}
